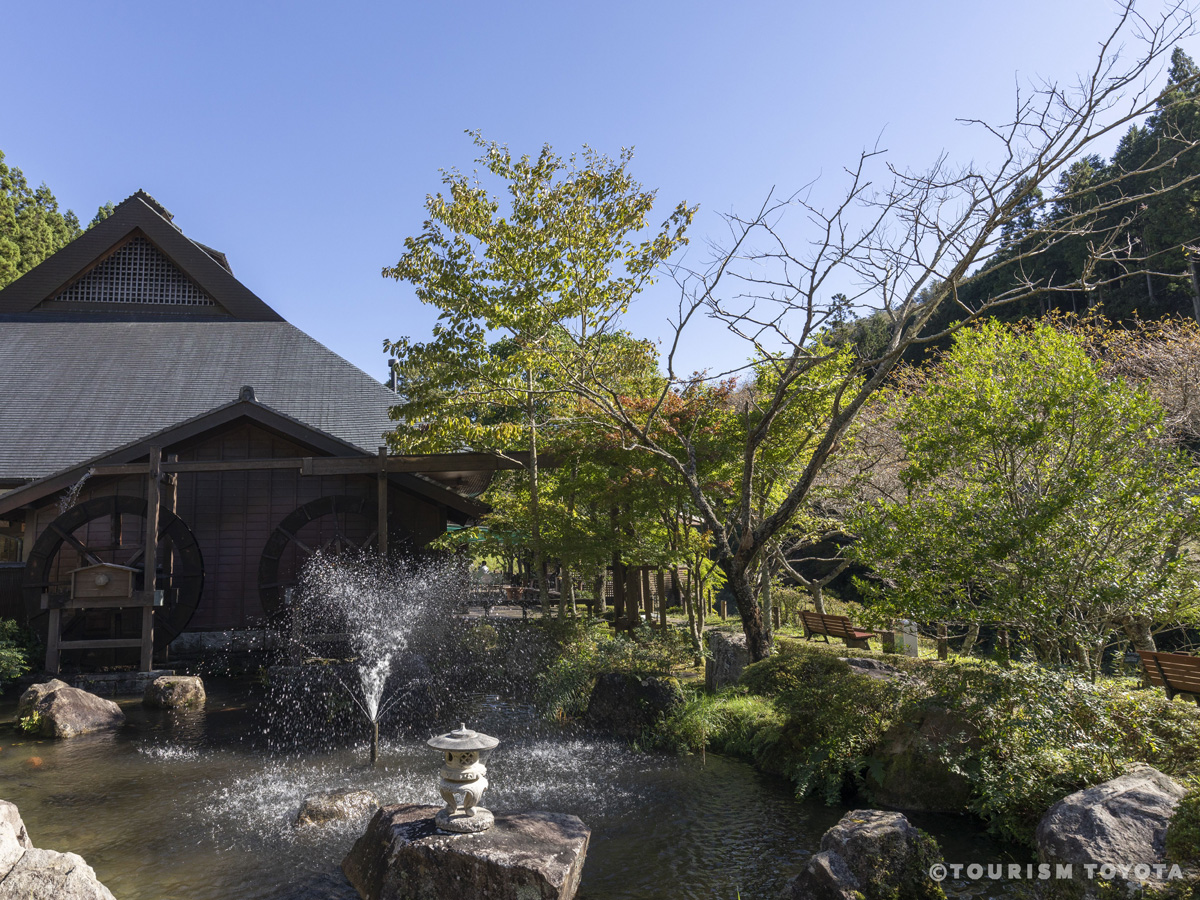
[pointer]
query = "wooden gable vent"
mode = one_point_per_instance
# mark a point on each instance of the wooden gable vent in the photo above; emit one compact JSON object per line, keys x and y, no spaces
{"x":136,"y":272}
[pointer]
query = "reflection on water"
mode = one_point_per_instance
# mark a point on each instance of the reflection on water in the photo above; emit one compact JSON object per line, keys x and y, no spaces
{"x":187,"y":805}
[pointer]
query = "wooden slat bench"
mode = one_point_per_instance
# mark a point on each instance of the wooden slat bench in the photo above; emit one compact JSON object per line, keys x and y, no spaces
{"x":837,"y":627}
{"x":1175,"y":673}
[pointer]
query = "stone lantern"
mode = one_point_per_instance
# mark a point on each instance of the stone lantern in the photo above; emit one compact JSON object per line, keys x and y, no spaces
{"x":463,"y":773}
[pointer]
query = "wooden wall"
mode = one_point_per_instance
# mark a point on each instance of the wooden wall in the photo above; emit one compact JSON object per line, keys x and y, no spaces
{"x":232,"y":514}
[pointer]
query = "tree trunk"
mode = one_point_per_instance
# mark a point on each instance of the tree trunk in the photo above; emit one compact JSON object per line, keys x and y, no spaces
{"x":758,"y":639}
{"x":764,"y":594}
{"x":691,"y":600}
{"x":599,"y":606}
{"x":535,"y":510}
{"x":1137,"y":629}
{"x":1003,"y":648}
{"x":565,"y":586}
{"x":817,"y":590}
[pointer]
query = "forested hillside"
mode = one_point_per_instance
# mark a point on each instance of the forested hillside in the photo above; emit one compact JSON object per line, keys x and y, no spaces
{"x":1133,"y":254}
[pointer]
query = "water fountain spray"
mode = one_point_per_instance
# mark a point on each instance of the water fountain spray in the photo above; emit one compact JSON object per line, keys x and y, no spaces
{"x":376,"y":607}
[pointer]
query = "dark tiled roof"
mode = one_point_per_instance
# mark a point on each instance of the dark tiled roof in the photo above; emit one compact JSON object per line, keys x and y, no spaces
{"x":72,"y":390}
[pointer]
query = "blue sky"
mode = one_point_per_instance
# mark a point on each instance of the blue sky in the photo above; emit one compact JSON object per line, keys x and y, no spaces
{"x":301,"y":138}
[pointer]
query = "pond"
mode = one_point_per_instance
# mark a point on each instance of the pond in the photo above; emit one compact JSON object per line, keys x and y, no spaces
{"x":192,"y":805}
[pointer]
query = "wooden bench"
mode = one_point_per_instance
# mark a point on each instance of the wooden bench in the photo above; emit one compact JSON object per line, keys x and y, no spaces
{"x":1175,"y":673}
{"x":837,"y":627}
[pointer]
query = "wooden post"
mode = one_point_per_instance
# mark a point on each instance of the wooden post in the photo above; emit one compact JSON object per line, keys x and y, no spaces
{"x":1190,"y":253}
{"x":775,"y":616}
{"x":147,"y":662}
{"x":943,"y":642}
{"x":647,"y":594}
{"x":618,"y":584}
{"x":383,"y":504}
{"x":170,"y":503}
{"x":662,"y":599}
{"x":150,"y":558}
{"x":53,"y":636}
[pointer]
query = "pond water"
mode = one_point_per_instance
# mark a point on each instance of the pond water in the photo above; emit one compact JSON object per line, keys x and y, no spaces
{"x":191,"y":805}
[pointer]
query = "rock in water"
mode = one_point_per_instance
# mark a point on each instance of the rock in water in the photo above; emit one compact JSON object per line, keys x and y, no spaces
{"x":912,"y":774}
{"x":626,"y":705}
{"x":530,"y":856}
{"x":31,"y":874}
{"x":336,"y":806}
{"x":869,"y":854}
{"x":63,"y":711}
{"x":170,"y":691}
{"x":1122,"y":822}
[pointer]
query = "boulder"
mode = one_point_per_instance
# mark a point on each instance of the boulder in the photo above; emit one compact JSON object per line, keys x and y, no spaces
{"x":728,"y":658}
{"x":170,"y":691}
{"x":64,"y":711}
{"x":49,"y":875}
{"x":14,"y":839}
{"x":531,"y":856}
{"x":32,"y":874}
{"x":1122,"y":822}
{"x":911,"y":773}
{"x":625,"y":706}
{"x":872,"y":668}
{"x":11,"y":823}
{"x":869,"y":854}
{"x":336,"y":806}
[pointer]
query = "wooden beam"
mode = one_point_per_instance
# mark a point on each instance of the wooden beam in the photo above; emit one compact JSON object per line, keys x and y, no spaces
{"x":101,"y":644}
{"x":150,"y":556}
{"x":382,"y":504}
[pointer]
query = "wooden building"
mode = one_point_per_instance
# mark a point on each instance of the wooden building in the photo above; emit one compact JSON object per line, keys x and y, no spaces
{"x":133,"y":365}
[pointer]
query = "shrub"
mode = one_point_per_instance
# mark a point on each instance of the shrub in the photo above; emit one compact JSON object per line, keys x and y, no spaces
{"x":802,"y":713}
{"x":16,"y":648}
{"x":1044,"y":734}
{"x":1183,"y":834}
{"x":588,"y":648}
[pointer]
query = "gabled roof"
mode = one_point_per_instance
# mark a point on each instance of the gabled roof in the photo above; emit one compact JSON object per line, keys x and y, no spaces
{"x":72,"y":390}
{"x":246,"y":408}
{"x":141,"y":217}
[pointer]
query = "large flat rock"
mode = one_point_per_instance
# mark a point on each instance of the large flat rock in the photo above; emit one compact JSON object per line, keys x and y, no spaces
{"x":524,"y":856}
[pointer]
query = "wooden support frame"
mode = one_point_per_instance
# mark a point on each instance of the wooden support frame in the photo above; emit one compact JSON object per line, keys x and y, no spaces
{"x":55,"y":604}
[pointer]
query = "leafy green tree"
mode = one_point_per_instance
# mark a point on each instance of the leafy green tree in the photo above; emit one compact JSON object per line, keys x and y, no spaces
{"x":1038,"y":494}
{"x":547,"y":269}
{"x":31,"y":226}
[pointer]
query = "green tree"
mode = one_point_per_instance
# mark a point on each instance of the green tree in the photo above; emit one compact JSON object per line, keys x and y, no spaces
{"x":1039,"y":494}
{"x":31,"y":226}
{"x":547,"y":269}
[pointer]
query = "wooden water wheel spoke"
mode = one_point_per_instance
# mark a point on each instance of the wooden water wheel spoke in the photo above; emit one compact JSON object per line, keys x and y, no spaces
{"x":295,"y":540}
{"x":141,"y":550}
{"x":76,"y":543}
{"x":329,"y":524}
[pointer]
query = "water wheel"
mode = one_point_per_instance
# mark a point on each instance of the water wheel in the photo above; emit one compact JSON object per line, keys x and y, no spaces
{"x":113,"y":530}
{"x":330,"y":525}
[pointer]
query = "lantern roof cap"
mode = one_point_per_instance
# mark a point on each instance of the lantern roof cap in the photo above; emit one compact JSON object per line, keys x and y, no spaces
{"x":463,"y":738}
